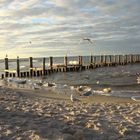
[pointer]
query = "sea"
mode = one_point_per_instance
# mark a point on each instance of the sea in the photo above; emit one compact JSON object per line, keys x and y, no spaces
{"x":122,"y":79}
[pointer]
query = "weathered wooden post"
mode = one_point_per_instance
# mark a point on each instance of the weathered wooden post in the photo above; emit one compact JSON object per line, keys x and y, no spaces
{"x":123,"y":59}
{"x":119,"y":59}
{"x":6,"y":67}
{"x":37,"y":73}
{"x":18,"y":67}
{"x":65,"y":63}
{"x":126,"y":59}
{"x":31,"y":66}
{"x":2,"y":76}
{"x":25,"y":74}
{"x":131,"y":58}
{"x":13,"y":74}
{"x":28,"y":73}
{"x":80,"y":60}
{"x":138,"y":58}
{"x":114,"y":59}
{"x":105,"y":59}
{"x":44,"y":67}
{"x":91,"y":60}
{"x":101,"y":59}
{"x":94,"y":59}
{"x":51,"y":62}
{"x":135,"y":58}
{"x":110,"y":59}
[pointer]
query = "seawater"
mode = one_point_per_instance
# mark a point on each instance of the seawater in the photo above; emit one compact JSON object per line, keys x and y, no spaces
{"x":121,"y":79}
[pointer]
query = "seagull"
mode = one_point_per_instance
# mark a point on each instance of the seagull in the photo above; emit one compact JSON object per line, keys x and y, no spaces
{"x":97,"y":82}
{"x":30,"y":42}
{"x":88,"y":39}
{"x":73,"y":98}
{"x":107,"y":90}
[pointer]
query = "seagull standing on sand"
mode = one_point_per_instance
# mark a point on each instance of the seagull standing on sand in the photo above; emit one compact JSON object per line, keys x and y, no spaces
{"x":71,"y":98}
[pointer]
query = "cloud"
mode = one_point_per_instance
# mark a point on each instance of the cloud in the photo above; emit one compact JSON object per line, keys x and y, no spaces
{"x":56,"y":25}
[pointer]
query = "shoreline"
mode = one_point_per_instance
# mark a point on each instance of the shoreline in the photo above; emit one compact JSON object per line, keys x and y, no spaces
{"x":95,"y":98}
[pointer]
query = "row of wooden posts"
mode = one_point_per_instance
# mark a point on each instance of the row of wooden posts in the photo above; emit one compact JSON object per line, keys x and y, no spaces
{"x":117,"y":60}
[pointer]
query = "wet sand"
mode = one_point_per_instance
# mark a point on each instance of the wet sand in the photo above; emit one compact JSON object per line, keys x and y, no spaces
{"x":44,"y":115}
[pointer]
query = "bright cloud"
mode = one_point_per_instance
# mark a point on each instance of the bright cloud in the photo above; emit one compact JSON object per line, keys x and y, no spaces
{"x":57,"y":26}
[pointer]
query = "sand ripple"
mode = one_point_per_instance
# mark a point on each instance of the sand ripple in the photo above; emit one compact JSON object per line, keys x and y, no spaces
{"x":39,"y":118}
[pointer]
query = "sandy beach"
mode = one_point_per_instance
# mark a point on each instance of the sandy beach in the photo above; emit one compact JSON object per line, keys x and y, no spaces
{"x":44,"y":115}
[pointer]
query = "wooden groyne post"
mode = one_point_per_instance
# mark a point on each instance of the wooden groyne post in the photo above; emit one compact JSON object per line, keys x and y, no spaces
{"x":115,"y":59}
{"x":31,"y":66}
{"x":18,"y":67}
{"x":119,"y":59}
{"x":101,"y":59}
{"x":131,"y":58}
{"x":6,"y":67}
{"x":44,"y":66}
{"x":94,"y":60}
{"x":80,"y":61}
{"x":65,"y":63}
{"x":126,"y":59}
{"x":138,"y":56}
{"x":110,"y":60}
{"x":107,"y":60}
{"x":91,"y":64}
{"x":51,"y":62}
{"x":91,"y":60}
{"x":104,"y":59}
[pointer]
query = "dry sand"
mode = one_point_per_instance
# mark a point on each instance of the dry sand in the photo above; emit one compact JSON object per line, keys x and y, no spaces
{"x":43,"y":115}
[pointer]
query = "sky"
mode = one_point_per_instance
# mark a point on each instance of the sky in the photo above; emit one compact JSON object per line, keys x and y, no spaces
{"x":43,"y":28}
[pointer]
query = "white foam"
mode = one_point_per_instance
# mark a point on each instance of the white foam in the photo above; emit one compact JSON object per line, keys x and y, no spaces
{"x":136,"y":98}
{"x":73,"y":62}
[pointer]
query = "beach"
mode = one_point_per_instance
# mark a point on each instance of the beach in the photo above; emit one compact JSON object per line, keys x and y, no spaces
{"x":69,"y":70}
{"x":46,"y":115}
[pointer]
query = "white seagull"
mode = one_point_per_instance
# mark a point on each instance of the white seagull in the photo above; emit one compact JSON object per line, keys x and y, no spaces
{"x":72,"y":98}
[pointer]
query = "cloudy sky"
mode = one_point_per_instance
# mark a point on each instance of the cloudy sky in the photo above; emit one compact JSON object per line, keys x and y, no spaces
{"x":56,"y":27}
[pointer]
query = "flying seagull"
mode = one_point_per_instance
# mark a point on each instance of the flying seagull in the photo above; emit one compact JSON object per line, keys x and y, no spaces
{"x":88,"y":39}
